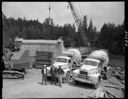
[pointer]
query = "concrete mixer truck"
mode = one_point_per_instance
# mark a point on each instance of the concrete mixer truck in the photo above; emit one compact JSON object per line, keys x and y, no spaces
{"x":91,"y":70}
{"x":69,"y":60}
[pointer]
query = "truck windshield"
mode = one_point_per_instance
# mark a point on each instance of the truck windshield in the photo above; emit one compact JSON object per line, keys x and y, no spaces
{"x":88,"y":62}
{"x":61,"y":60}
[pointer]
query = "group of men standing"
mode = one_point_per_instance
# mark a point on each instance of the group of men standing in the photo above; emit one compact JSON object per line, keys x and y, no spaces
{"x":56,"y":75}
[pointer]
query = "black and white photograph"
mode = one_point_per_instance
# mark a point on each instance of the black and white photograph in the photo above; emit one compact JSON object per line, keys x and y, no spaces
{"x":63,"y":49}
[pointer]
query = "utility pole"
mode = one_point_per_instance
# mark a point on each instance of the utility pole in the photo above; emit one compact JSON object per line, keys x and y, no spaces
{"x":49,"y":10}
{"x":50,"y":21}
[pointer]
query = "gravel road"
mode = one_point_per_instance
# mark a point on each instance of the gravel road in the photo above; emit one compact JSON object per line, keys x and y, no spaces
{"x":31,"y":87}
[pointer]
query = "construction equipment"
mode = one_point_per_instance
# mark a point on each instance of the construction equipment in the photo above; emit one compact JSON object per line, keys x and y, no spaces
{"x":69,"y":60}
{"x":91,"y":70}
{"x":79,"y":23}
{"x":10,"y":72}
{"x":75,"y":56}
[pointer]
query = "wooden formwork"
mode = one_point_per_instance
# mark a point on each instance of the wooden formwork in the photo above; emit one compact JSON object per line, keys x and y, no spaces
{"x":43,"y":58}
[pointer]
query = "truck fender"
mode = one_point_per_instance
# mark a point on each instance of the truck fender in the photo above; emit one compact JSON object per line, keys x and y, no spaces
{"x":95,"y":77}
{"x":66,"y":70}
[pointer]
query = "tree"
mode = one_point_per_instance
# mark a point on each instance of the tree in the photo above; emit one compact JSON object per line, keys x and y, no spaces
{"x":82,"y":34}
{"x":85,"y":27}
{"x":33,"y":29}
{"x":111,"y":37}
{"x":91,"y":33}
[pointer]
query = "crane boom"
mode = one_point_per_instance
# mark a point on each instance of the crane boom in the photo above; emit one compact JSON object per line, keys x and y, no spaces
{"x":79,"y":21}
{"x":76,"y":15}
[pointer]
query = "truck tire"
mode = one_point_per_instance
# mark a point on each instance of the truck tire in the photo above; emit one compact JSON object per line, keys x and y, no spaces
{"x":96,"y":84}
{"x":67,"y":77}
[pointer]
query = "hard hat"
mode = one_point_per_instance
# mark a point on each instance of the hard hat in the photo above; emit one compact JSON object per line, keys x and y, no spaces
{"x":44,"y":65}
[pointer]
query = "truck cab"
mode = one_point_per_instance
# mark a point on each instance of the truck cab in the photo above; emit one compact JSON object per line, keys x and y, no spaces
{"x":63,"y":61}
{"x":89,"y":72}
{"x":66,"y":63}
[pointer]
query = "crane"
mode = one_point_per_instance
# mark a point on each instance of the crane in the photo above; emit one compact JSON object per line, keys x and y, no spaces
{"x":76,"y":15}
{"x":78,"y":20}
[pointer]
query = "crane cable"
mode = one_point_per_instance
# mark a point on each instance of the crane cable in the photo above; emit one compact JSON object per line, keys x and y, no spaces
{"x":81,"y":13}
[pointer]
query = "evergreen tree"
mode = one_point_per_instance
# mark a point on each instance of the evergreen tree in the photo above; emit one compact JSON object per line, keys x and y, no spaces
{"x":111,"y":37}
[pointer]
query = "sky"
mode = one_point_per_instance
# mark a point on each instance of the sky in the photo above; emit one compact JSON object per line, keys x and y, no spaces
{"x":99,"y":12}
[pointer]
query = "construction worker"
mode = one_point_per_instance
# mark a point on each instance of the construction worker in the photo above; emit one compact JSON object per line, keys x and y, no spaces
{"x":53,"y":75}
{"x":60,"y":75}
{"x":44,"y":75}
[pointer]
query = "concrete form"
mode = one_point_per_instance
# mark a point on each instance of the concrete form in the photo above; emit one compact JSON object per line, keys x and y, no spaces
{"x":54,"y":46}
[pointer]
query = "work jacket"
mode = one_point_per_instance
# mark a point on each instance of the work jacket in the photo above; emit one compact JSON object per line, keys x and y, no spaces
{"x":60,"y":71}
{"x":53,"y":71}
{"x":42,"y":71}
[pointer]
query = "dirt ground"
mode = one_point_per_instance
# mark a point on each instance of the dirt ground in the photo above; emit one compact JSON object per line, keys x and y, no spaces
{"x":31,"y":87}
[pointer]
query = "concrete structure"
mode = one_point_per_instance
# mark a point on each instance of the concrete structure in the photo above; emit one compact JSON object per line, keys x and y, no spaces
{"x":54,"y":46}
{"x":21,"y":59}
{"x":18,"y":42}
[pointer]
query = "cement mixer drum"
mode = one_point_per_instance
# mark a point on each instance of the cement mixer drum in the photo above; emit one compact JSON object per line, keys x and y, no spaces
{"x":76,"y":54}
{"x":101,"y":54}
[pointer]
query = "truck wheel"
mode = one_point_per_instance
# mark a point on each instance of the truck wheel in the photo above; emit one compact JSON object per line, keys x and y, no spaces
{"x":96,"y":84}
{"x":67,"y":77}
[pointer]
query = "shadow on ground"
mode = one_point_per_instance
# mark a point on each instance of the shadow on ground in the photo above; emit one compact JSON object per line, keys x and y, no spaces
{"x":48,"y":81}
{"x":72,"y":83}
{"x":80,"y":85}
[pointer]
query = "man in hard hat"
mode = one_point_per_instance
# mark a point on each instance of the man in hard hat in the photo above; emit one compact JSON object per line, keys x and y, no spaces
{"x":60,"y":75}
{"x":44,"y":74}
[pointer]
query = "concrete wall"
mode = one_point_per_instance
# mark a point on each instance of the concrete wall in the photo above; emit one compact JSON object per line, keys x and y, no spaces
{"x":56,"y":48}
